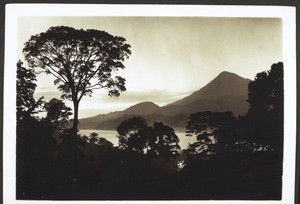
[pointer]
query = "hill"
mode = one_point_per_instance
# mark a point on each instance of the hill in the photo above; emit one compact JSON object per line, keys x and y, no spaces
{"x":113,"y":119}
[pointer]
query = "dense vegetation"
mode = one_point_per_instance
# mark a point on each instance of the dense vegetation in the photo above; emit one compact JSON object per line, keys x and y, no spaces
{"x":233,"y":157}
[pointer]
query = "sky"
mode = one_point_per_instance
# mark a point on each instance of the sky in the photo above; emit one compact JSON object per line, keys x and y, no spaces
{"x":171,"y":56}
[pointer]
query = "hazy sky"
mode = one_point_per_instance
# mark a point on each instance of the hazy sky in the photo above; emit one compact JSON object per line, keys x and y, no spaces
{"x":171,"y":57}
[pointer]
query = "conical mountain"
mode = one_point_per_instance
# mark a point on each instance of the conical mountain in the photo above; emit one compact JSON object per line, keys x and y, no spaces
{"x":226,"y":84}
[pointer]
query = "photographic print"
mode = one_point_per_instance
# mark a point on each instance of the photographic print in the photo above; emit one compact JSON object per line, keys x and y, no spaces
{"x":177,"y":104}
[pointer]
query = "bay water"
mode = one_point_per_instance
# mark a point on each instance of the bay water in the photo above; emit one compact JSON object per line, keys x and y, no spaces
{"x":111,"y":135}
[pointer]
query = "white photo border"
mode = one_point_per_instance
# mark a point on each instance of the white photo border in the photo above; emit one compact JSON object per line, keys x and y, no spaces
{"x":14,"y":11}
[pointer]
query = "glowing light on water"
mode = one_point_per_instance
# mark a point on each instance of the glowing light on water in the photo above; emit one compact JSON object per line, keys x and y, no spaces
{"x":111,"y":135}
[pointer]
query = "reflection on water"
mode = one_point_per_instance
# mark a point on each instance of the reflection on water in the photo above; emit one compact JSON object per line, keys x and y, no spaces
{"x":110,"y":135}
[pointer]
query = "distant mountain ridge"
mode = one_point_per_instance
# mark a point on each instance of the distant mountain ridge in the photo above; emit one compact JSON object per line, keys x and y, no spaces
{"x":226,"y":92}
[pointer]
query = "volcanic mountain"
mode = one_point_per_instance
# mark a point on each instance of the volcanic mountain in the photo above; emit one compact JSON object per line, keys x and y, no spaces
{"x":224,"y":85}
{"x":226,"y":92}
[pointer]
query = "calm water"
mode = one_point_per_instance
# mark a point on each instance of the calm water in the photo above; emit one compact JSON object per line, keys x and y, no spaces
{"x":110,"y":135}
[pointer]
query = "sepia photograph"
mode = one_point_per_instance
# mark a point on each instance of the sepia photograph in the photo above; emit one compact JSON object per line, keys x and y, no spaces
{"x":173,"y":103}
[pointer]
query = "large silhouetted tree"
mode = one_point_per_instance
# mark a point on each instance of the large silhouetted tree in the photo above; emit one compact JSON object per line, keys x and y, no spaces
{"x":80,"y":60}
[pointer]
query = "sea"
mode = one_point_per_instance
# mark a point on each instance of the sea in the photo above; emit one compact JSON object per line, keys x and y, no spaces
{"x":111,"y":135}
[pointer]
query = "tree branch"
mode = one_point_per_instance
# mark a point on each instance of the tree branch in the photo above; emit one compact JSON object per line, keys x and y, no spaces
{"x":62,"y":78}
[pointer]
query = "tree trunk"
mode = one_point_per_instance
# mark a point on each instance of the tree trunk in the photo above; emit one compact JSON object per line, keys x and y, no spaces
{"x":75,"y":119}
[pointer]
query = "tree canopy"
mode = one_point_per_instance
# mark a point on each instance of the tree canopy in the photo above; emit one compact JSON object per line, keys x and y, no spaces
{"x":266,"y":91}
{"x":265,"y":113}
{"x":214,"y":132}
{"x":57,"y":112}
{"x":166,"y":142}
{"x":80,"y":60}
{"x":132,"y":134}
{"x":158,"y":140}
{"x":26,"y":104}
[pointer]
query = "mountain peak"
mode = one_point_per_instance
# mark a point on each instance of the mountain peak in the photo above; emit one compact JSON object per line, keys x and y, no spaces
{"x":142,"y":108}
{"x":225,"y":84}
{"x":145,"y":103}
{"x":228,"y":74}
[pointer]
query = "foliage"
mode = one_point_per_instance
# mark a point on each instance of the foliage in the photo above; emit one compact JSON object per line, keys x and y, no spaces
{"x":165,"y":143}
{"x":35,"y":158}
{"x":80,"y":60}
{"x":266,"y":91}
{"x":82,"y":140}
{"x":105,"y":144}
{"x":160,"y":140}
{"x":142,"y":167}
{"x":26,"y":104}
{"x":93,"y":137}
{"x":57,"y":112}
{"x":132,"y":134}
{"x":265,"y":115}
{"x":214,"y":132}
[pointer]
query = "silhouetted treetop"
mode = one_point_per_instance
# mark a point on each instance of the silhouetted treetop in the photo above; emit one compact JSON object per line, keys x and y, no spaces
{"x":207,"y":120}
{"x":80,"y":60}
{"x":77,"y":56}
{"x":157,"y":140}
{"x":215,"y":132}
{"x":104,"y":142}
{"x":265,"y":114}
{"x":93,"y":137}
{"x":266,"y":91}
{"x":132,"y":134}
{"x":57,"y":112}
{"x":165,"y":142}
{"x":26,"y":104}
